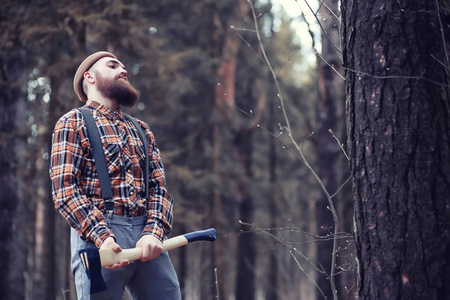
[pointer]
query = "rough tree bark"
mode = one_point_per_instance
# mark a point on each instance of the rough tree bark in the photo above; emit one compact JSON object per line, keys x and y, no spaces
{"x":398,"y":116}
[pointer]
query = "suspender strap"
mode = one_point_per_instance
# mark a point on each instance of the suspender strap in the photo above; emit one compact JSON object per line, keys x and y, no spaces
{"x":100,"y":161}
{"x":146,"y":149}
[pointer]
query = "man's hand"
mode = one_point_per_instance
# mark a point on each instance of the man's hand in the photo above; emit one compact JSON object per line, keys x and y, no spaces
{"x":110,"y":243}
{"x":151,"y":247}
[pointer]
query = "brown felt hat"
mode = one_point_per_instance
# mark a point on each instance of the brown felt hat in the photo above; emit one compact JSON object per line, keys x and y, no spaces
{"x":85,"y":65}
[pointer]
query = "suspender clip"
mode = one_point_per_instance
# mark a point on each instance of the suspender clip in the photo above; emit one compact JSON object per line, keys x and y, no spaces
{"x":110,"y":214}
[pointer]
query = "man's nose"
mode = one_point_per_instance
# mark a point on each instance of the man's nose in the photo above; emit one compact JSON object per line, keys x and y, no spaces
{"x":124,"y":73}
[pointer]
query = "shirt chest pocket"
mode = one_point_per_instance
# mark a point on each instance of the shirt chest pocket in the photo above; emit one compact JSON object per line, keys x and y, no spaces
{"x":112,"y":155}
{"x":111,"y":152}
{"x":140,"y":152}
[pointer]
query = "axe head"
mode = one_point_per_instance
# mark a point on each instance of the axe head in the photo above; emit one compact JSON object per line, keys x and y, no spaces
{"x":91,"y":262}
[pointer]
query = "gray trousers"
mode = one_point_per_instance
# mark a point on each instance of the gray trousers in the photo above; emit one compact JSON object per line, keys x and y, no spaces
{"x":152,"y":280}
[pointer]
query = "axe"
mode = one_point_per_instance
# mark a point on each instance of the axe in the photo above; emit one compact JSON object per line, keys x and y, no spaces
{"x":94,"y":259}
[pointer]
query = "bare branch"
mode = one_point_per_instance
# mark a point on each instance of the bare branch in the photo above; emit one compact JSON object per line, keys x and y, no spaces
{"x":217,"y":283}
{"x":442,"y":35}
{"x":331,"y":66}
{"x":342,"y":185}
{"x":320,"y":24}
{"x":339,"y":143}
{"x":362,"y":73}
{"x":304,"y":272}
{"x":311,"y":33}
{"x":300,"y":151}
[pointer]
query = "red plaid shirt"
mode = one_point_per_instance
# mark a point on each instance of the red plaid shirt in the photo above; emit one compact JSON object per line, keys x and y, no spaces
{"x":75,"y":184}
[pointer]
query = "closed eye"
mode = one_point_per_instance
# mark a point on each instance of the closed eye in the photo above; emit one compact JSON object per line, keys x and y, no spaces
{"x":113,"y":64}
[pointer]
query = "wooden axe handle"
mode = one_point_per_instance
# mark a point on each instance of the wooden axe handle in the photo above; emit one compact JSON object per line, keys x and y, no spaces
{"x":109,"y":257}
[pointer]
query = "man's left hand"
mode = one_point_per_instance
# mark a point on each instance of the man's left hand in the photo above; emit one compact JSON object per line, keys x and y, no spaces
{"x":151,"y":247}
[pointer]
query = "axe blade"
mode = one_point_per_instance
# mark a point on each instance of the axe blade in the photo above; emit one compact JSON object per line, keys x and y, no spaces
{"x":91,"y":262}
{"x":93,"y":258}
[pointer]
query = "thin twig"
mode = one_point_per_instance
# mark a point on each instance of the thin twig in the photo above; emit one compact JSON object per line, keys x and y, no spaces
{"x":341,"y":145}
{"x":348,"y":290}
{"x":306,"y":273}
{"x":320,"y":24}
{"x":331,"y":66}
{"x":281,"y":241}
{"x":300,"y":151}
{"x":217,"y":283}
{"x":442,"y":34}
{"x":245,"y":41}
{"x":318,"y":238}
{"x":342,"y":185}
{"x":440,"y":62}
{"x":330,"y":10}
{"x":362,"y":73}
{"x":311,"y":33}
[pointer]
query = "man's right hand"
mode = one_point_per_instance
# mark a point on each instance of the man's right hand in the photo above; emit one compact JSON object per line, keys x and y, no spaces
{"x":110,"y":243}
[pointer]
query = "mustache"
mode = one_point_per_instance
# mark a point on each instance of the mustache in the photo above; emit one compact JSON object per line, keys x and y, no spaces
{"x":121,"y":76}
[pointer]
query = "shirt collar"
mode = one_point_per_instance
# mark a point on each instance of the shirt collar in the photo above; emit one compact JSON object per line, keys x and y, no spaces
{"x":103,"y":109}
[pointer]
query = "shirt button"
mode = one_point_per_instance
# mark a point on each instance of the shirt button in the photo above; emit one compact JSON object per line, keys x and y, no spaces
{"x":131,"y":193}
{"x":129,"y":170}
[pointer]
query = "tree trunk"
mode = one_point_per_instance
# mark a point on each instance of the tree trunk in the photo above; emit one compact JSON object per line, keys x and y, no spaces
{"x":271,"y":288}
{"x":398,"y":127}
{"x":243,"y":143}
{"x":329,"y":115}
{"x":225,"y":90}
{"x":13,"y":202}
{"x":224,"y":103}
{"x":246,"y":252}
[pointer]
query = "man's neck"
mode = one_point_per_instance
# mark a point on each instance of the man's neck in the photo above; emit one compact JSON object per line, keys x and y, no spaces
{"x":98,"y":97}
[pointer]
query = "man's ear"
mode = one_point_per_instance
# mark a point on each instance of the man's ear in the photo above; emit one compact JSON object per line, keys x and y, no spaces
{"x":88,"y":76}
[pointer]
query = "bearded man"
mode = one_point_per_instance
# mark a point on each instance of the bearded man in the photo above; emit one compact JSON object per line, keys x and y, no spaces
{"x":134,"y":221}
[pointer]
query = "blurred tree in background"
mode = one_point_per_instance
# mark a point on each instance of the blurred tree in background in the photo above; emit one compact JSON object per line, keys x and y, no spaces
{"x":213,"y":105}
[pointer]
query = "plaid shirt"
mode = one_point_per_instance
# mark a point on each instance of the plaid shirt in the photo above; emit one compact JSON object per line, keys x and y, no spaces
{"x":75,"y":184}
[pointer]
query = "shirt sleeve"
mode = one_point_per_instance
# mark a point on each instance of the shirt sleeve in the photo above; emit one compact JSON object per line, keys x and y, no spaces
{"x":160,"y":204}
{"x":66,"y":163}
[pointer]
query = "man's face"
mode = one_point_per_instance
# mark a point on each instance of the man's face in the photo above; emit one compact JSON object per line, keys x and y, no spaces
{"x":112,"y":82}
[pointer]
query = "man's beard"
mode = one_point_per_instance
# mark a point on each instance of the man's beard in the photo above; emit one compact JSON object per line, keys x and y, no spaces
{"x":122,"y":91}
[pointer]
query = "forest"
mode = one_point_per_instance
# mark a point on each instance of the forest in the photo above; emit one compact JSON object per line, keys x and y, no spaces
{"x":313,"y":135}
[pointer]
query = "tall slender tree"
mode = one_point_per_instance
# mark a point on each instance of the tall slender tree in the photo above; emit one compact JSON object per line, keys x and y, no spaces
{"x":14,"y":199}
{"x":329,"y":115}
